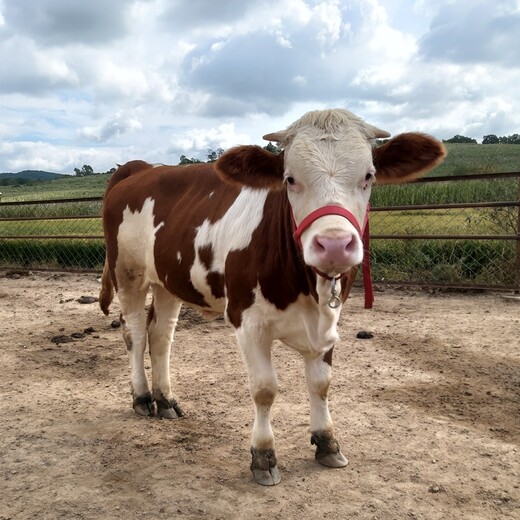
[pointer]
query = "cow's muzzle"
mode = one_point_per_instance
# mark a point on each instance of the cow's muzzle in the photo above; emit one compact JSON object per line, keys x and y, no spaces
{"x":338,"y":250}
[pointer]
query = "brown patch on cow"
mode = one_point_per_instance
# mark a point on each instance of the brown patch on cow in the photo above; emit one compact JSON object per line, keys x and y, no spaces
{"x":327,"y":358}
{"x":106,"y":293}
{"x":348,"y":282}
{"x":406,"y":157}
{"x":264,"y":397}
{"x":239,"y":299}
{"x":216,"y":282}
{"x":251,"y":166}
{"x":206,"y":256}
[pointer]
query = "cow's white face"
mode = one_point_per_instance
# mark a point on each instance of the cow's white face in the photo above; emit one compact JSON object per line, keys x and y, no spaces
{"x":330,"y":171}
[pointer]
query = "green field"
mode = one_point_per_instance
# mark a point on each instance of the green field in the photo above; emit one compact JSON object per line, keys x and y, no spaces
{"x":66,"y":188}
{"x":462,"y":159}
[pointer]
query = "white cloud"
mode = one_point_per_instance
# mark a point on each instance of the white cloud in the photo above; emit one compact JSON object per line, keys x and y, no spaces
{"x":56,"y":23}
{"x":103,"y":82}
{"x":39,"y":155}
{"x":119,"y":125}
{"x":200,"y":139}
{"x":26,"y":68}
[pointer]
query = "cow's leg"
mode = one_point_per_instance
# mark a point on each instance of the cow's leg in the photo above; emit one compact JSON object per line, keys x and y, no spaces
{"x":162,"y":319}
{"x":263,"y":385}
{"x":133,"y":321}
{"x":318,"y":376}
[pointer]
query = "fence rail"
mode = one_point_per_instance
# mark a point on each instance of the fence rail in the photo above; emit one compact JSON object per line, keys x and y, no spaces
{"x":460,"y":244}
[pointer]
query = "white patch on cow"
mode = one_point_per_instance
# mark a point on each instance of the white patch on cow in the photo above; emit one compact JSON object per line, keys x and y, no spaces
{"x":307,"y":326}
{"x":231,"y":233}
{"x":211,"y":195}
{"x":179,"y":257}
{"x":135,"y":242}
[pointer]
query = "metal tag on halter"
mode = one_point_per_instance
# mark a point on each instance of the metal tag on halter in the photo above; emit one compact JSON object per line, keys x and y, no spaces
{"x":334,"y":301}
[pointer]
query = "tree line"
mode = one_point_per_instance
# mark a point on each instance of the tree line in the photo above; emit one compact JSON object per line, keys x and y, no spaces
{"x":487,"y":139}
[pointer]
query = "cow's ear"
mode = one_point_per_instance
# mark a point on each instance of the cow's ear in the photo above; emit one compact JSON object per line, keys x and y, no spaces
{"x":406,"y":157}
{"x":251,"y":166}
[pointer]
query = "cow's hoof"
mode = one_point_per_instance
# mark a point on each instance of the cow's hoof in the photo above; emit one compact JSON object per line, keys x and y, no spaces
{"x":333,"y":460}
{"x":267,"y":477}
{"x":169,"y":409}
{"x":264,"y":468}
{"x":327,"y":450}
{"x":144,"y":405}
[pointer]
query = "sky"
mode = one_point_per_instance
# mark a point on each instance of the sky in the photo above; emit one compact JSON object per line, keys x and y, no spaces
{"x":103,"y":82}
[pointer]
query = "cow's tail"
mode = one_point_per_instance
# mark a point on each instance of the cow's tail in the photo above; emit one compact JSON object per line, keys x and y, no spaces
{"x":106,"y":294}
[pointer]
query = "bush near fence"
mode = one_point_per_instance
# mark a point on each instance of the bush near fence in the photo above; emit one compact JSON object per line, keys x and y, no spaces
{"x":408,"y":242}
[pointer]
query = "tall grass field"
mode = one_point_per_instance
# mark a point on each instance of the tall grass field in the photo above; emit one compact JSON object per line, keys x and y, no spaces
{"x":491,"y":262}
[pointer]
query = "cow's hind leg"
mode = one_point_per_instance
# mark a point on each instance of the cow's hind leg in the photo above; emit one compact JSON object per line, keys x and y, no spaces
{"x":133,"y":321}
{"x":318,"y":375}
{"x":263,"y":386}
{"x":162,"y":319}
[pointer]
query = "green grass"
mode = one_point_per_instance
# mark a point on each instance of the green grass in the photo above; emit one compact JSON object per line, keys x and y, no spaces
{"x":53,"y":254}
{"x":52,"y":227}
{"x":484,"y":262}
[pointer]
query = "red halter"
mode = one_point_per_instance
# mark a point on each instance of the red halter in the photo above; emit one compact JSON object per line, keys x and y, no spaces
{"x":364,"y":232}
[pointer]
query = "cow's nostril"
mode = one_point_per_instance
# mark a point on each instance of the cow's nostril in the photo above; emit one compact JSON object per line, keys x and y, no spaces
{"x":319,"y":245}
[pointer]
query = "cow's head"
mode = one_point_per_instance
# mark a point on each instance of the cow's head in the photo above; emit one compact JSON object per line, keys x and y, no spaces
{"x":328,"y":159}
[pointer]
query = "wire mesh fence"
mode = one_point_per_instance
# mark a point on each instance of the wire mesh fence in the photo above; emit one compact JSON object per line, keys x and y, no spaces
{"x":461,"y":242}
{"x":52,"y":234}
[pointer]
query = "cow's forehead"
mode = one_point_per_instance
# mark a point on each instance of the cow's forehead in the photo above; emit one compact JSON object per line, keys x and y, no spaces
{"x":314,"y":152}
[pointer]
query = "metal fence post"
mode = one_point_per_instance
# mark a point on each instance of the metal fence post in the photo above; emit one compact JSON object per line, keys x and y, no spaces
{"x":518,"y":241}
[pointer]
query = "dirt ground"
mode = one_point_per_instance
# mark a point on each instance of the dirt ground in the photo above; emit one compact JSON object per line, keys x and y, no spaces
{"x":427,"y":411}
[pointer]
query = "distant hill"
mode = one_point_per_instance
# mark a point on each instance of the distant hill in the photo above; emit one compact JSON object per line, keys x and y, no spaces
{"x":33,"y":175}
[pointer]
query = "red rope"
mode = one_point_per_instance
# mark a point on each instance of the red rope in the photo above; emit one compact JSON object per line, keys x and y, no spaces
{"x":367,"y":274}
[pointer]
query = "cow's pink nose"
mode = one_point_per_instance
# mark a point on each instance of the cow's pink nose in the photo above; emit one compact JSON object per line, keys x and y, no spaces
{"x":335,"y":250}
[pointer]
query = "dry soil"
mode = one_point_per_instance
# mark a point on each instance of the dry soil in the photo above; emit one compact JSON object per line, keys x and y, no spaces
{"x":427,"y":411}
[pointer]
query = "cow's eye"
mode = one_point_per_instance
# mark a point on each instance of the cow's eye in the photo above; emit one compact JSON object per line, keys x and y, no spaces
{"x":290,"y":180}
{"x":369,"y":176}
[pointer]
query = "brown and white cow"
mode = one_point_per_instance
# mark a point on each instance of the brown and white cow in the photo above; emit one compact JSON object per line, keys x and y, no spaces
{"x":220,"y":237}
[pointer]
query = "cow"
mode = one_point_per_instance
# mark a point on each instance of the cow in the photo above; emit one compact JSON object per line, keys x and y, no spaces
{"x":271,"y":241}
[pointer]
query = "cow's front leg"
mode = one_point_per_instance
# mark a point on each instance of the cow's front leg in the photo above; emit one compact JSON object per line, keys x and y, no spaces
{"x":263,"y":385}
{"x":318,"y":375}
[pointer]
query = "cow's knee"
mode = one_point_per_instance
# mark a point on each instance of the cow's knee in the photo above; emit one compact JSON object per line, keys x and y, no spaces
{"x":318,"y":375}
{"x":264,"y":395}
